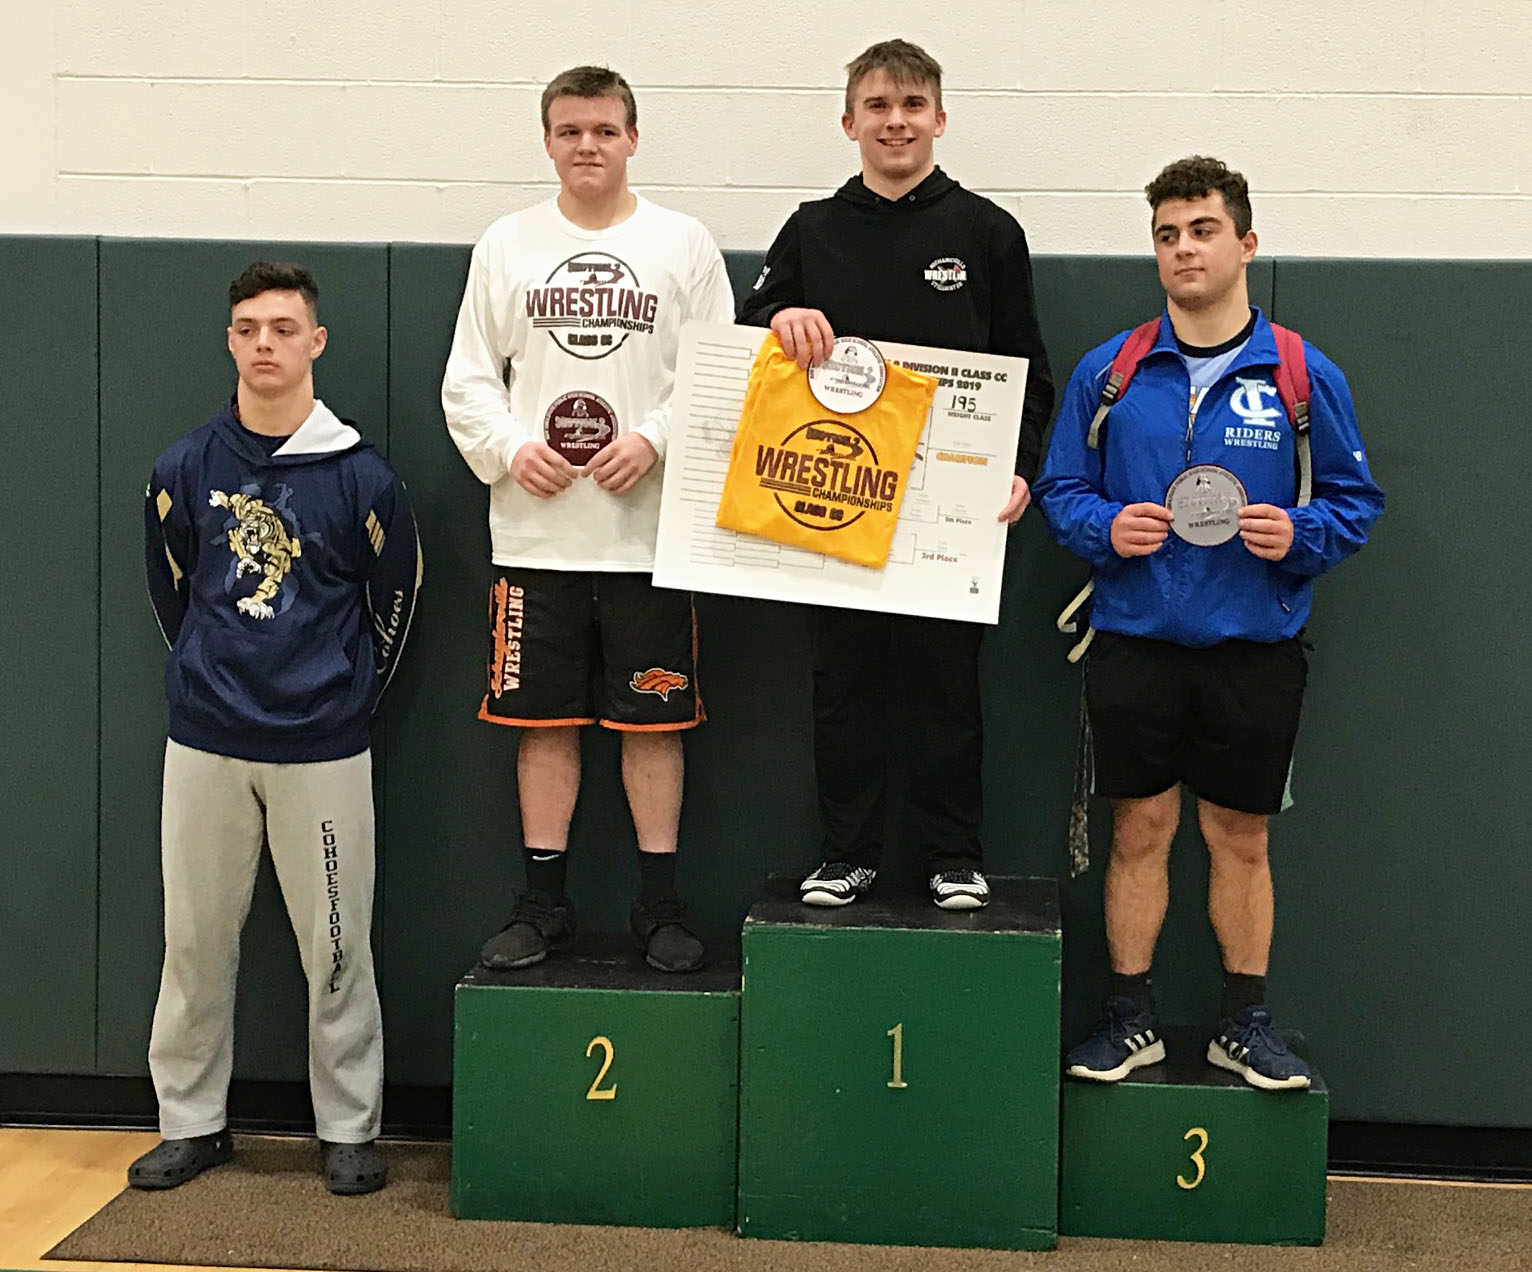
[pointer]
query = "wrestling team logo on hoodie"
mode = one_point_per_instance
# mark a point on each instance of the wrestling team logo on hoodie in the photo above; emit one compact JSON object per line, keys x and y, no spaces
{"x":590,"y":305}
{"x":946,"y":273}
{"x":259,"y":539}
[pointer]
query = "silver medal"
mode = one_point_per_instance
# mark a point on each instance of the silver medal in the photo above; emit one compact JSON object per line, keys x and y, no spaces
{"x":1206,"y":500}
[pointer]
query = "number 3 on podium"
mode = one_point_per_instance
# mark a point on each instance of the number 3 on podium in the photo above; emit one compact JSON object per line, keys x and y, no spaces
{"x":1196,"y":1157}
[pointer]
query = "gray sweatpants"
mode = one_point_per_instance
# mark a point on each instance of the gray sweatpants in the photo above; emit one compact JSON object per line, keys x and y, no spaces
{"x":215,"y":813}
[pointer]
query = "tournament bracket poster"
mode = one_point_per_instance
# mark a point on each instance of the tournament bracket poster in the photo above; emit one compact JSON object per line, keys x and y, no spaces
{"x":947,"y":557}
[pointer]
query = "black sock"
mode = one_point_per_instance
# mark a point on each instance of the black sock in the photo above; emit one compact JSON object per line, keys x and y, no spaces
{"x":1139,"y":987}
{"x":1241,"y":991}
{"x":656,"y":877}
{"x":545,"y":871}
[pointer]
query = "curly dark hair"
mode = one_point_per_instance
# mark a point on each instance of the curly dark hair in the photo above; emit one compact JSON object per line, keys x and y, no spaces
{"x":265,"y":276}
{"x":590,"y":81}
{"x":1196,"y":177}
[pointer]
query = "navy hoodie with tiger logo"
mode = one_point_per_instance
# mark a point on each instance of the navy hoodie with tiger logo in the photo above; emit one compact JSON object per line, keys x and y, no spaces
{"x":283,"y":572}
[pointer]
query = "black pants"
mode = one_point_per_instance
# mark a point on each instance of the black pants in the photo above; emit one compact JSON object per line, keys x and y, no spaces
{"x":868,"y":669}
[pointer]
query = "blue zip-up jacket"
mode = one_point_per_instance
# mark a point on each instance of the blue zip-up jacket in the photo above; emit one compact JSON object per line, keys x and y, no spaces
{"x":1191,"y":595}
{"x":284,"y":584}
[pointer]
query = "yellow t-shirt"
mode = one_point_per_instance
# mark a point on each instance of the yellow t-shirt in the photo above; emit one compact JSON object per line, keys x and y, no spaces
{"x":814,"y":478}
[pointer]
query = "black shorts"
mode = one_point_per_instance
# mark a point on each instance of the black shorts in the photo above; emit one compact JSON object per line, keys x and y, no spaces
{"x":1222,"y":719}
{"x":584,"y":647}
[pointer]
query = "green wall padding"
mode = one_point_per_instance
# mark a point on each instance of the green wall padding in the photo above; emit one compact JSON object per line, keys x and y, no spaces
{"x":449,"y":801}
{"x":1402,"y":927}
{"x":48,"y":648}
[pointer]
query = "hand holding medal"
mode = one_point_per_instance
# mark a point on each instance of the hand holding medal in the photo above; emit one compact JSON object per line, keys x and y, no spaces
{"x":1140,"y":529}
{"x":1267,"y":530}
{"x":1206,"y":506}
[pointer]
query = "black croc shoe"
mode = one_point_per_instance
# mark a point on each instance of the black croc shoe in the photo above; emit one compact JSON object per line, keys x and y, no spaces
{"x":170,"y":1163}
{"x":353,"y":1169}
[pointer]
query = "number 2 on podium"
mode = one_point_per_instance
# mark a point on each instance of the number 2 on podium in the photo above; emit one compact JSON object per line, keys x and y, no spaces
{"x":897,"y":1034}
{"x":597,"y":1092}
{"x":1201,"y":1148}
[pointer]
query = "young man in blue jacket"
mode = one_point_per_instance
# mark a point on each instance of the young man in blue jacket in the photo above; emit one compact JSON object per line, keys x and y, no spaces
{"x":1196,"y":671}
{"x":283,"y":565}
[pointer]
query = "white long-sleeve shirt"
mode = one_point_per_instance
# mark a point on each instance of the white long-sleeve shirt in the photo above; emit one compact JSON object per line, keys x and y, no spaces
{"x":569,"y":336}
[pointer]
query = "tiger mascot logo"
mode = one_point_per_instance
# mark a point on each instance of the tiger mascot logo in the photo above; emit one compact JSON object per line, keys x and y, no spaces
{"x":260,"y":533}
{"x":660,"y":681}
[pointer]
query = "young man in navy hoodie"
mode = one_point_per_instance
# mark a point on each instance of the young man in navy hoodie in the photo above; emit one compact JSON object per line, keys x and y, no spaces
{"x":902,"y":252}
{"x":283,"y":565}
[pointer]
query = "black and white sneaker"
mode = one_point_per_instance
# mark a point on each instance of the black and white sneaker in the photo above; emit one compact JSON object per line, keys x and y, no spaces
{"x":959,"y":889}
{"x":836,"y":883}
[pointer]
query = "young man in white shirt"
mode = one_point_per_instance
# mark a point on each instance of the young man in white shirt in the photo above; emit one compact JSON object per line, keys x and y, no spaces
{"x":557,"y":393}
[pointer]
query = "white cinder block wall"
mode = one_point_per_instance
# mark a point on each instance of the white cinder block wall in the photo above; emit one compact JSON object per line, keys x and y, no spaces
{"x":1367,"y":128}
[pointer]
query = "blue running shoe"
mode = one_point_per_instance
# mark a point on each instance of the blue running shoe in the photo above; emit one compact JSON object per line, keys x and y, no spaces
{"x":1125,"y":1039}
{"x":1247,"y":1044}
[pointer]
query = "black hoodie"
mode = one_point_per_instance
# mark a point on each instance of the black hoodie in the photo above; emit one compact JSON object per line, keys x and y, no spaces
{"x":940,"y":266}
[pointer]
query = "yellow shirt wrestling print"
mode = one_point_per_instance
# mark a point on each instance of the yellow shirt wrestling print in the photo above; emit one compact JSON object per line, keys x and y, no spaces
{"x":830,"y":479}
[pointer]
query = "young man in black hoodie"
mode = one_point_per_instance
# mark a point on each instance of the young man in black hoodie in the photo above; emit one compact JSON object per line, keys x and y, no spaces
{"x":902,"y":252}
{"x":282,"y":565}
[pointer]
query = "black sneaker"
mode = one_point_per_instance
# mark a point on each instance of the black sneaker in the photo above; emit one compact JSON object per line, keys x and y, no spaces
{"x":959,"y":889}
{"x":170,"y":1163}
{"x":537,"y":924}
{"x":836,"y":883}
{"x":660,"y":931}
{"x":352,"y":1169}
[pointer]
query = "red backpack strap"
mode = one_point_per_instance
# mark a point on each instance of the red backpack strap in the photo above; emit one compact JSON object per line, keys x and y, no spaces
{"x":1140,"y":340}
{"x":1292,"y":376}
{"x":1293,"y":388}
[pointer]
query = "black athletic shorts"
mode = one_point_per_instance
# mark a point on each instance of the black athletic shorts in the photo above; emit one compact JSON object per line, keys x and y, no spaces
{"x":586,"y":647}
{"x":1222,"y":719}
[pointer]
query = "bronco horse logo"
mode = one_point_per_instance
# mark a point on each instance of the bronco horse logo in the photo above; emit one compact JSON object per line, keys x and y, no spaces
{"x":658,"y":680}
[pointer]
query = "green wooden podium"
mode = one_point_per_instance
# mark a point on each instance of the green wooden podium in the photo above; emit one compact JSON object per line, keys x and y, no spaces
{"x":899,"y":1070}
{"x":593,"y":1089}
{"x":1183,"y":1151}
